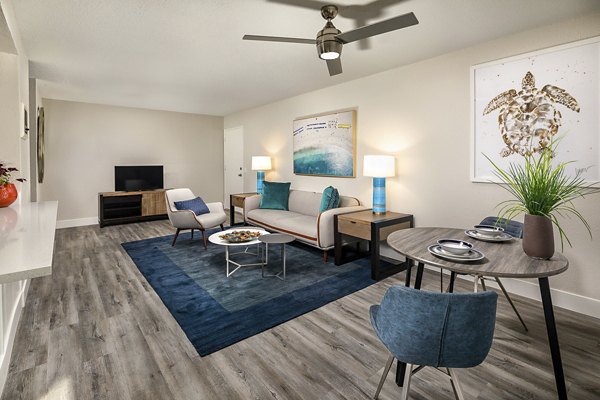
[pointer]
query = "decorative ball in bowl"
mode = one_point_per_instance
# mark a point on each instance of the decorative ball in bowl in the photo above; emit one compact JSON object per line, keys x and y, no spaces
{"x":454,"y":246}
{"x":488,"y":230}
{"x":240,"y":236}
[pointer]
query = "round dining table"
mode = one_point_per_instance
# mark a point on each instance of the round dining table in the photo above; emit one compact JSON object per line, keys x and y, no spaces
{"x":501,"y":260}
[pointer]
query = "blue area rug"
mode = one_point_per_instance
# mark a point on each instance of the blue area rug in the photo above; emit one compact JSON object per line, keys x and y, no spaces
{"x":215,"y":311}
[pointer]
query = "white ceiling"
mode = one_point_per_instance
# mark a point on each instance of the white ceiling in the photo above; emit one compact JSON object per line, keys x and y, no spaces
{"x":187,"y":55}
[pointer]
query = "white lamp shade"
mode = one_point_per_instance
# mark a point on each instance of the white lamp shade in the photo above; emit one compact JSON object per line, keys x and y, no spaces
{"x":379,"y":166}
{"x":261,"y":163}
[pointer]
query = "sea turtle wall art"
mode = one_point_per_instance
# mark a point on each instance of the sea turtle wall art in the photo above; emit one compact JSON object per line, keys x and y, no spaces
{"x":522,"y":103}
{"x":529,"y":118}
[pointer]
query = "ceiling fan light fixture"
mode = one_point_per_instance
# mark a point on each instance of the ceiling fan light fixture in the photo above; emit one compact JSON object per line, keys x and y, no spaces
{"x":331,"y":55}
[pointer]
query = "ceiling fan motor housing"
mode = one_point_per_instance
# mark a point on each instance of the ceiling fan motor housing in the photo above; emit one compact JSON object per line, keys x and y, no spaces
{"x":329,"y":46}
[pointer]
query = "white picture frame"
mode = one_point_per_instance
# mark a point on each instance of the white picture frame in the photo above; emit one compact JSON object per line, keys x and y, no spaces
{"x":574,"y":67}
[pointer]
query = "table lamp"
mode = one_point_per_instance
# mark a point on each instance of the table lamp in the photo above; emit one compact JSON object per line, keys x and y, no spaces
{"x":379,"y":167}
{"x":260,"y":164}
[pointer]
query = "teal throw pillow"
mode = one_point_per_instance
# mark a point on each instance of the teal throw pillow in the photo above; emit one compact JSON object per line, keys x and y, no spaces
{"x":330,"y":199}
{"x":275,"y":195}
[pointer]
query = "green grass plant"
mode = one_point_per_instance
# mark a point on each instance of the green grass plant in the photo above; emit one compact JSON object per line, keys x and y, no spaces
{"x":541,"y":188}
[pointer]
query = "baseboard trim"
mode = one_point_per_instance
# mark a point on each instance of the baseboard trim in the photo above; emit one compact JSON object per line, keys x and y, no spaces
{"x":531,"y":290}
{"x":13,"y":322}
{"x":71,"y":223}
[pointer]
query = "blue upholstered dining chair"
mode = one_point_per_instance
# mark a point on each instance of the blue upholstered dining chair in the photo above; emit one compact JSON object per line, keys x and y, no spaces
{"x":442,"y":330}
{"x":514,"y":229}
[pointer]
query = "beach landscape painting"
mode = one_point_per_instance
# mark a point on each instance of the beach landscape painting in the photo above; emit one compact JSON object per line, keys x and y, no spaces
{"x":325,"y":145}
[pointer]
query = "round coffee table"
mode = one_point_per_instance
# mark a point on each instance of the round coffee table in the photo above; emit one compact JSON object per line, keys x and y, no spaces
{"x":216,"y":239}
{"x":275,"y":238}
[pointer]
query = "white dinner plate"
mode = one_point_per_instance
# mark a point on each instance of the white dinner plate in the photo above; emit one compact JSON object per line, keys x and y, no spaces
{"x":500,"y":237}
{"x":471,"y":255}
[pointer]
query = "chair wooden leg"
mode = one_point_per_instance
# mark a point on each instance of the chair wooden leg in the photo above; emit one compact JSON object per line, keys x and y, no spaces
{"x":458,"y":393}
{"x":222,"y":227}
{"x":175,"y":238}
{"x":406,"y":384}
{"x":499,"y":282}
{"x":204,"y":239}
{"x":325,"y":256}
{"x":192,"y":234}
{"x":386,"y":370}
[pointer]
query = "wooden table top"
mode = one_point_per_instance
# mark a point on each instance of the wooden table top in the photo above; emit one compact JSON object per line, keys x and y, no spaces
{"x":505,"y":259}
{"x":367,"y":216}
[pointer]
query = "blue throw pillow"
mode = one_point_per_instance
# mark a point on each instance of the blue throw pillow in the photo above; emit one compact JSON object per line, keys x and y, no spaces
{"x":197,"y":205}
{"x":330,"y":199}
{"x":275,"y":195}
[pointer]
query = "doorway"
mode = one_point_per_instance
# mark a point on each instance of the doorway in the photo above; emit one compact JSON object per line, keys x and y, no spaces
{"x":233,"y":161}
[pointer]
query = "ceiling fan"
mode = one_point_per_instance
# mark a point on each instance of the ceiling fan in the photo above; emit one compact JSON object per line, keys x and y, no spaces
{"x":330,"y":40}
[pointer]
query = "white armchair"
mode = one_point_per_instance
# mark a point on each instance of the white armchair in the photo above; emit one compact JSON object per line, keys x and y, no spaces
{"x":186,"y":219}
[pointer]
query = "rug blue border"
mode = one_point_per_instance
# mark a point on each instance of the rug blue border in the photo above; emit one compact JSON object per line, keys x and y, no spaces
{"x":209,"y":326}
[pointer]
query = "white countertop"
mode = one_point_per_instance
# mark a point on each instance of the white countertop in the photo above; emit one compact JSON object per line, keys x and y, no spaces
{"x":27,"y":240}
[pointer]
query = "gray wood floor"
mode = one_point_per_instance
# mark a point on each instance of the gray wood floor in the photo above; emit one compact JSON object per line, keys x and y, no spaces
{"x":95,"y":329}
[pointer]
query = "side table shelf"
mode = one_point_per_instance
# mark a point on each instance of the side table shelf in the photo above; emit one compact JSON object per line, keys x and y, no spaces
{"x":365,"y":226}
{"x":237,"y":200}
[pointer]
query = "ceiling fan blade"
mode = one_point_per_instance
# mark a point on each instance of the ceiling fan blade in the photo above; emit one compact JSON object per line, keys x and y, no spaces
{"x":334,"y":66}
{"x":392,"y":24}
{"x":279,"y":39}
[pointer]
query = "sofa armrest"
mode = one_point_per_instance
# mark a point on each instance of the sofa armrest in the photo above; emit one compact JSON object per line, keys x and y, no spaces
{"x":325,"y":224}
{"x":251,"y":203}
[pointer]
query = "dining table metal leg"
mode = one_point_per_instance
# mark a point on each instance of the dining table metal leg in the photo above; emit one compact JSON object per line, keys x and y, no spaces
{"x":451,"y":284}
{"x":401,"y":367}
{"x":559,"y":375}
{"x":409,"y":264}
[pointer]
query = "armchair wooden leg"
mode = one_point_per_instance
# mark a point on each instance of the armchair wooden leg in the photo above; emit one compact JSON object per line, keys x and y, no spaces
{"x":192,"y":234}
{"x":325,"y":256}
{"x":204,"y":239}
{"x":175,"y":238}
{"x":222,"y":227}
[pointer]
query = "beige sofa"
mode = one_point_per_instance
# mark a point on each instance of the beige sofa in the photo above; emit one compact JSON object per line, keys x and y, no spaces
{"x":303,"y":220}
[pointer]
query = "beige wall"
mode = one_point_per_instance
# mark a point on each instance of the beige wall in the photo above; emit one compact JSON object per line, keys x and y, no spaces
{"x":85,"y":141}
{"x":421,"y":114}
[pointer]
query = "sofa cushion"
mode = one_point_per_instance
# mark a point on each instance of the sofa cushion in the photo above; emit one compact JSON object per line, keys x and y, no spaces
{"x":197,"y":205}
{"x":275,"y":195}
{"x":306,"y":203}
{"x":330,"y":199}
{"x":300,"y":225}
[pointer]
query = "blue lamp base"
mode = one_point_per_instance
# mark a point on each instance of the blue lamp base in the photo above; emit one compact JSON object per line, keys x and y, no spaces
{"x":379,"y":196}
{"x":260,"y":179}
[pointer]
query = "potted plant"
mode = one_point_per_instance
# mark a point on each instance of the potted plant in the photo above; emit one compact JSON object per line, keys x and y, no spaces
{"x":8,"y":191}
{"x":544,"y":191}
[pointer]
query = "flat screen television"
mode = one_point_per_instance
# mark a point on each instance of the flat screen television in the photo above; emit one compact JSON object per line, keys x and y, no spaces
{"x":138,"y":177}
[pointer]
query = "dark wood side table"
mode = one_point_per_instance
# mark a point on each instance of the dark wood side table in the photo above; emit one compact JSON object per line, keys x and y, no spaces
{"x":373,"y":228}
{"x":237,"y":200}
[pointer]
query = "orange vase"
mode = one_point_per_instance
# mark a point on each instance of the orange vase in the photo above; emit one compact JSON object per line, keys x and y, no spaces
{"x":8,"y":194}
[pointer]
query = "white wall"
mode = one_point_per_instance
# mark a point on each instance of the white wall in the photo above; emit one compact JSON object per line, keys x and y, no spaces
{"x":421,"y":114}
{"x":85,"y":141}
{"x":14,"y":90}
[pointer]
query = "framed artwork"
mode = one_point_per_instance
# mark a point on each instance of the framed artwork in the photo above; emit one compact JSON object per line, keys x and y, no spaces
{"x":325,"y":145}
{"x":520,"y":104}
